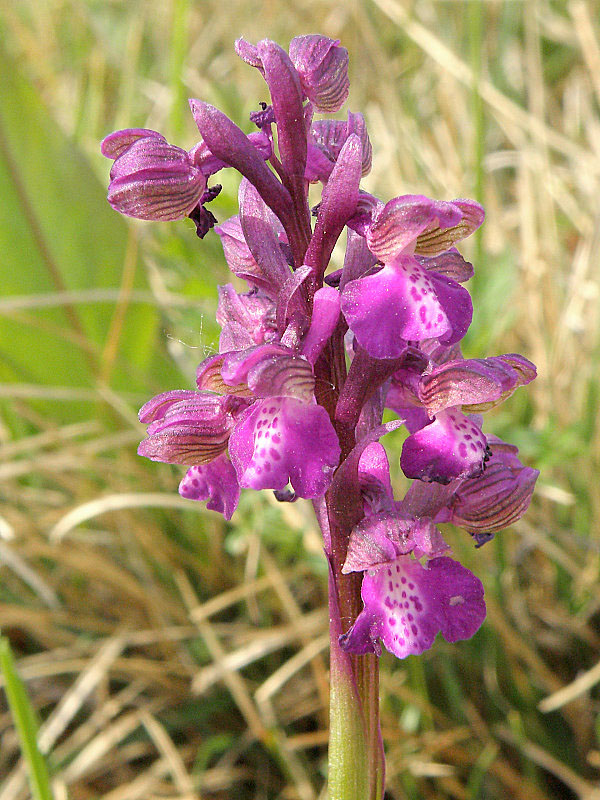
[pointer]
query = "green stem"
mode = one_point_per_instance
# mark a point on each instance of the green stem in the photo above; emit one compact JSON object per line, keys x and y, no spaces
{"x":356,"y":758}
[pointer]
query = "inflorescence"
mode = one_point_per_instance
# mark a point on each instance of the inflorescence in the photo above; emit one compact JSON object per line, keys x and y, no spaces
{"x":309,"y":358}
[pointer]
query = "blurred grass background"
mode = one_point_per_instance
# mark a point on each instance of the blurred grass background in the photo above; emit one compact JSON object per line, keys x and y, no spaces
{"x":168,"y":654}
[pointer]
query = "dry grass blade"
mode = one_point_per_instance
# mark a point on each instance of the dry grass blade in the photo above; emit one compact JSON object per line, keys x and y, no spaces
{"x":103,"y":505}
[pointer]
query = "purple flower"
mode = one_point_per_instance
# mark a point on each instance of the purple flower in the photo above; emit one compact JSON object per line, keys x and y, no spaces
{"x":326,"y":139}
{"x":151,"y":179}
{"x":496,"y":499}
{"x":310,"y":355}
{"x":323,"y":69}
{"x":407,"y":605}
{"x":445,"y":443}
{"x":403,"y":302}
{"x":216,"y":482}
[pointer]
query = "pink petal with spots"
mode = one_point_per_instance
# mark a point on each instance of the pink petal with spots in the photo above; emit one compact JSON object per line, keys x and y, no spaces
{"x":452,"y":446}
{"x":216,"y":482}
{"x":281,"y":440}
{"x":457,"y":305}
{"x":396,"y":304}
{"x":406,"y":605}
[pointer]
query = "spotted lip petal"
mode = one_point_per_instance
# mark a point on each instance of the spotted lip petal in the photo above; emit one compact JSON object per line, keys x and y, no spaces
{"x":450,"y":447}
{"x":281,"y":440}
{"x":215,"y":482}
{"x":406,"y":605}
{"x":396,"y":304}
{"x":323,"y":68}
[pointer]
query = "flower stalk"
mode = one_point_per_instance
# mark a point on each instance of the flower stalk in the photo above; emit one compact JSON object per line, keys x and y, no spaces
{"x":311,"y":355}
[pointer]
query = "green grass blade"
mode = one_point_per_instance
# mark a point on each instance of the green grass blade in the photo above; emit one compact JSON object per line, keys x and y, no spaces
{"x":25,"y":723}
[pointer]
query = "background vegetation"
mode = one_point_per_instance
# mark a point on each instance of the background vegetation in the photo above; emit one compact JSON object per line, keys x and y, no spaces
{"x":166,"y":653}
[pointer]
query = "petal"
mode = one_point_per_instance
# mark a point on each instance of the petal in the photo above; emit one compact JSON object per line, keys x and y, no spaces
{"x":326,"y":139}
{"x":203,"y":158}
{"x":450,"y":263}
{"x":398,"y":224}
{"x":396,"y":304}
{"x":270,"y":370}
{"x":215,"y":482}
{"x":236,"y":250}
{"x":282,"y":375}
{"x":325,"y":316}
{"x":209,"y":378}
{"x":150,"y":153}
{"x":374,"y":476}
{"x":193,"y":430}
{"x":498,"y":497}
{"x":452,"y":446}
{"x":459,"y":596}
{"x":473,"y":381}
{"x":426,"y":540}
{"x":286,"y":95}
{"x":154,"y":180}
{"x":230,"y":144}
{"x":406,"y":605}
{"x":156,"y":408}
{"x":371,"y":545}
{"x":282,"y":439}
{"x":249,"y":53}
{"x":358,"y":259}
{"x":262,"y":232}
{"x":440,"y":237}
{"x":456,"y":303}
{"x":323,"y":68}
{"x":338,"y":204}
{"x":246,"y":319}
{"x":115,"y":144}
{"x":381,"y":538}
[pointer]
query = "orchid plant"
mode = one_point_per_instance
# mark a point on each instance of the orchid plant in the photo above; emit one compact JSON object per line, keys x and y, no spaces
{"x":310,"y":356}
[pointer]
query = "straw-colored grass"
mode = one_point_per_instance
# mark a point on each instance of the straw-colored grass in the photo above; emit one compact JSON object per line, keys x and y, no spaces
{"x":167,"y":653}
